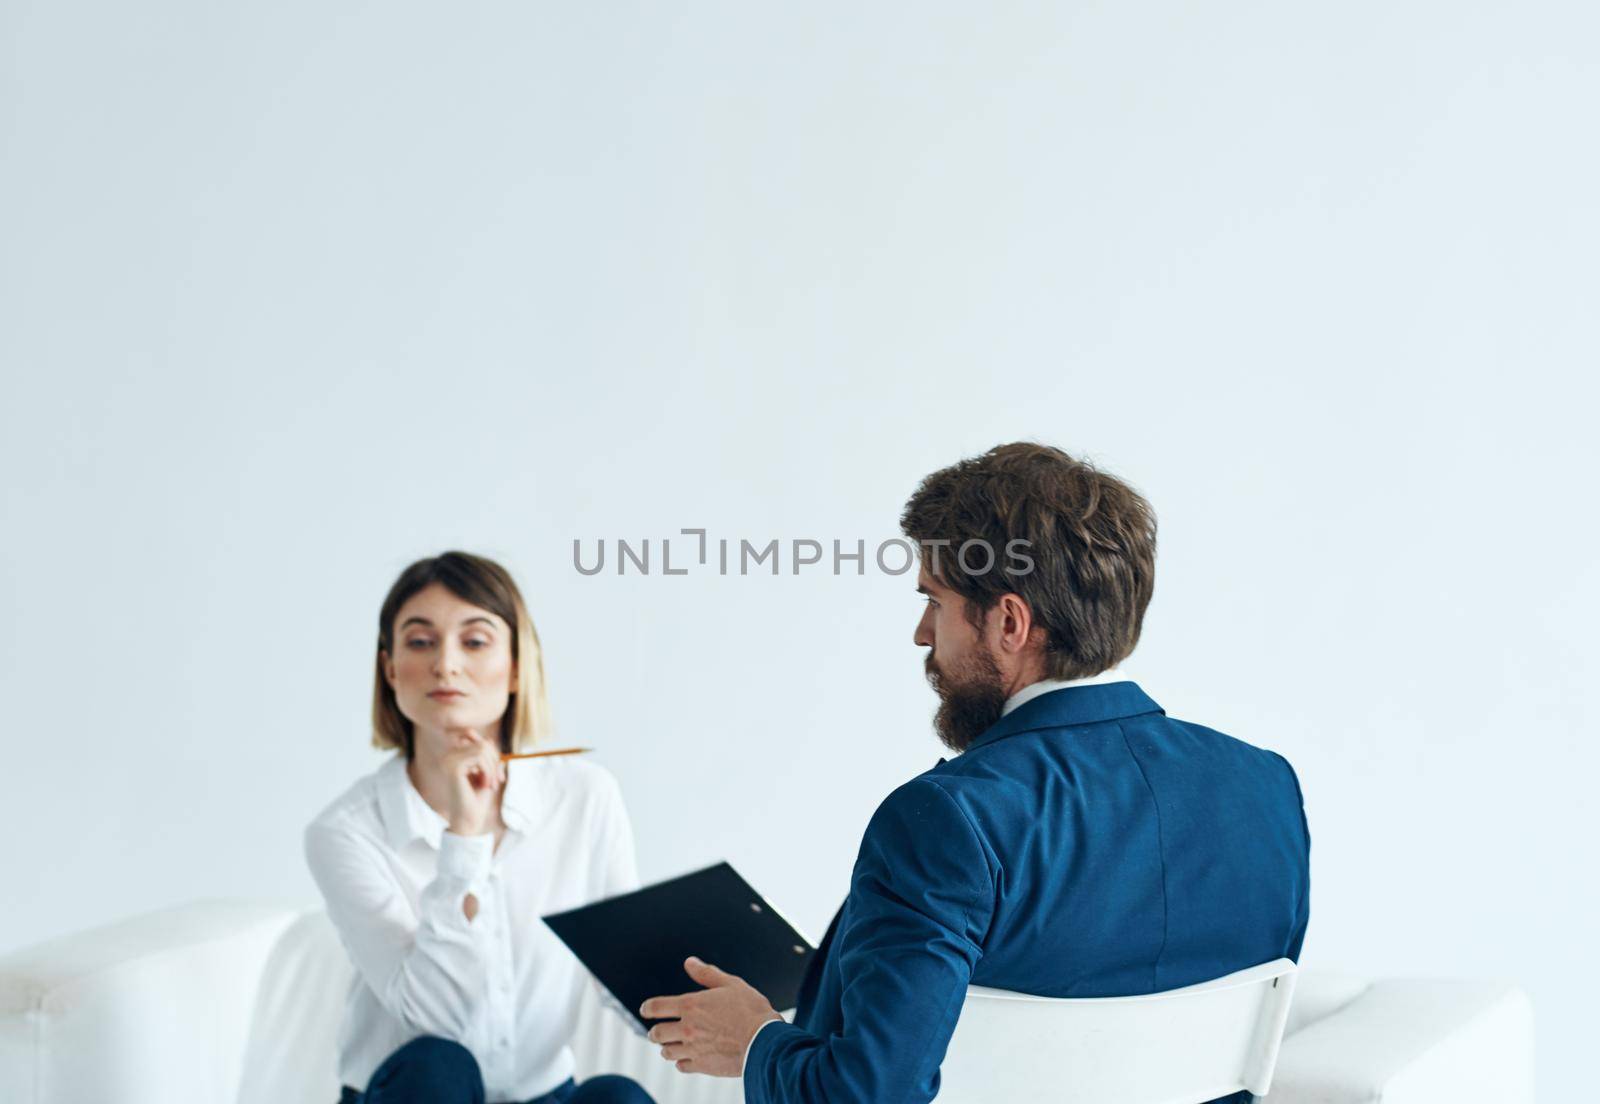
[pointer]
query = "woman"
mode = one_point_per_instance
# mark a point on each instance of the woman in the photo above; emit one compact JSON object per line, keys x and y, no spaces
{"x":437,"y":866}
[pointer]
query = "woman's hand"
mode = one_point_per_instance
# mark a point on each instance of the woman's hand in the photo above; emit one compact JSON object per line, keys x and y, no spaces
{"x":475,"y":774}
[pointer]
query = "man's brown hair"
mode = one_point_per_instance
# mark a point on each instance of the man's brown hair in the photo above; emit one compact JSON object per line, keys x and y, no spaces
{"x":1087,"y":569}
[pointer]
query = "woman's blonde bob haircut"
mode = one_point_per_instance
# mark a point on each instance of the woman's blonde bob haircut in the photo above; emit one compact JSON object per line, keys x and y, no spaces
{"x":489,"y":586}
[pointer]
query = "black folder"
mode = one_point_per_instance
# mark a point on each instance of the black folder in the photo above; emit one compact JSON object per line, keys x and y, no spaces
{"x":635,"y":943}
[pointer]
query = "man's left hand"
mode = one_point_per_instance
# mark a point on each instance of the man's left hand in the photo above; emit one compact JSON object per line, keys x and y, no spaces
{"x":708,"y":1031}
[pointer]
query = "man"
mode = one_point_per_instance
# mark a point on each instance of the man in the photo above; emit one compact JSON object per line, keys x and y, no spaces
{"x":1082,"y":844}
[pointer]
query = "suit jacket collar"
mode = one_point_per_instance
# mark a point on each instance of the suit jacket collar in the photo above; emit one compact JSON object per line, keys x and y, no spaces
{"x":1072,"y":705}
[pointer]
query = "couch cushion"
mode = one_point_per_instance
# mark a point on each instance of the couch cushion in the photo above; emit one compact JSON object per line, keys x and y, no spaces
{"x":1319,"y":995}
{"x":292,"y":1051}
{"x":1412,"y":1041}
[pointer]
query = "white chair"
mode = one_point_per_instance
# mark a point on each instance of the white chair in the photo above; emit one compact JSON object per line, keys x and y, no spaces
{"x":1182,"y":1046}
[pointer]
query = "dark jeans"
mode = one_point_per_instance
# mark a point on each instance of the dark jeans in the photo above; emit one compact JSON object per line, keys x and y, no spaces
{"x":436,"y":1071}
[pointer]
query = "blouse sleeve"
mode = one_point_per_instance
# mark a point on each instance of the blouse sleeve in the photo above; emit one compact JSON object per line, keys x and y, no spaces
{"x":427,"y":967}
{"x":619,"y":871}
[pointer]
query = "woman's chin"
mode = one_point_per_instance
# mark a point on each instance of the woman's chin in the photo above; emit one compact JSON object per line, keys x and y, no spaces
{"x":452,"y":715}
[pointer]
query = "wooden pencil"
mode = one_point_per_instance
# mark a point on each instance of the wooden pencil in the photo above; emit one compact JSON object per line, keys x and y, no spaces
{"x":542,"y":754}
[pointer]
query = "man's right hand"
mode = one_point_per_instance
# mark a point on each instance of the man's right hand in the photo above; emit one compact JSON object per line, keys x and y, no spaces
{"x":476,"y":774}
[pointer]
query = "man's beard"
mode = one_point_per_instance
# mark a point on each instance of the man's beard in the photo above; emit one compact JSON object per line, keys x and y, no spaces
{"x":971,"y":697}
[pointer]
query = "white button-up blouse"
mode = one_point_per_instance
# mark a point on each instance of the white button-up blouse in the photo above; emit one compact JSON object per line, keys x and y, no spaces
{"x":500,"y":984}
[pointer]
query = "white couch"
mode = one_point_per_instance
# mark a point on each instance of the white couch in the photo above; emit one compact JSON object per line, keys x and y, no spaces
{"x":232,"y":1002}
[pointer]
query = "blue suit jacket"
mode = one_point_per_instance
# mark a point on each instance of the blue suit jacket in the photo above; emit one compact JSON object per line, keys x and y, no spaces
{"x":1087,"y":845}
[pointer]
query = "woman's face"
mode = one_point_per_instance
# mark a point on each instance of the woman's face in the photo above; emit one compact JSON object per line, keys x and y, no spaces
{"x":451,"y":666}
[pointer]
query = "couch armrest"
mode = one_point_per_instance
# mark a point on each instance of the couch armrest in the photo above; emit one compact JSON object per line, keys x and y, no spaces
{"x":153,"y":1010}
{"x":1413,"y":1042}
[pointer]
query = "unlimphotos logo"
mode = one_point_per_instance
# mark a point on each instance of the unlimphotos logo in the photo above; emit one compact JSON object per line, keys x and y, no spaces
{"x":741,"y":556}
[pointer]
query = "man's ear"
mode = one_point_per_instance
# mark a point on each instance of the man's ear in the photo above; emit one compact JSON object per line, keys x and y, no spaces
{"x":1017,"y":629}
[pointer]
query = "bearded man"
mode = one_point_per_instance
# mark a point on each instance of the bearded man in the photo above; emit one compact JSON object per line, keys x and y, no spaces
{"x":1081,"y":844}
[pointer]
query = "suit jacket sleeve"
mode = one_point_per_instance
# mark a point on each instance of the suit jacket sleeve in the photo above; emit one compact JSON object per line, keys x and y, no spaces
{"x":921,"y":899}
{"x":1302,"y":913}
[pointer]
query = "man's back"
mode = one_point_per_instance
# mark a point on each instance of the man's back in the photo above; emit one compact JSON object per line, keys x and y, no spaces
{"x":1141,"y":853}
{"x":1086,"y":845}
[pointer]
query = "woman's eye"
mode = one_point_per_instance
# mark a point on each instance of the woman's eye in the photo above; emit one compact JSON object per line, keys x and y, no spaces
{"x":417,"y":643}
{"x":476,"y":643}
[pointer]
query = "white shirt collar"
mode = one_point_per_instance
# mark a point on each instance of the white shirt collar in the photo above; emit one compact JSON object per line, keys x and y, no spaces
{"x":1045,"y":686}
{"x":406,"y":816}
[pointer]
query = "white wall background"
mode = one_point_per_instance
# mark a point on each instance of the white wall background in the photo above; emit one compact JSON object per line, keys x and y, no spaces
{"x":294,"y":294}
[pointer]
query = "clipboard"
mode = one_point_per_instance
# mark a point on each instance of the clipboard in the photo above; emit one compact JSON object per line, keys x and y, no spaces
{"x":635,"y":943}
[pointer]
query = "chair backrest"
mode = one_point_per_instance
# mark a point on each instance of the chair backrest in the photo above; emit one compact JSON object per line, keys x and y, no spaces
{"x":1182,"y":1046}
